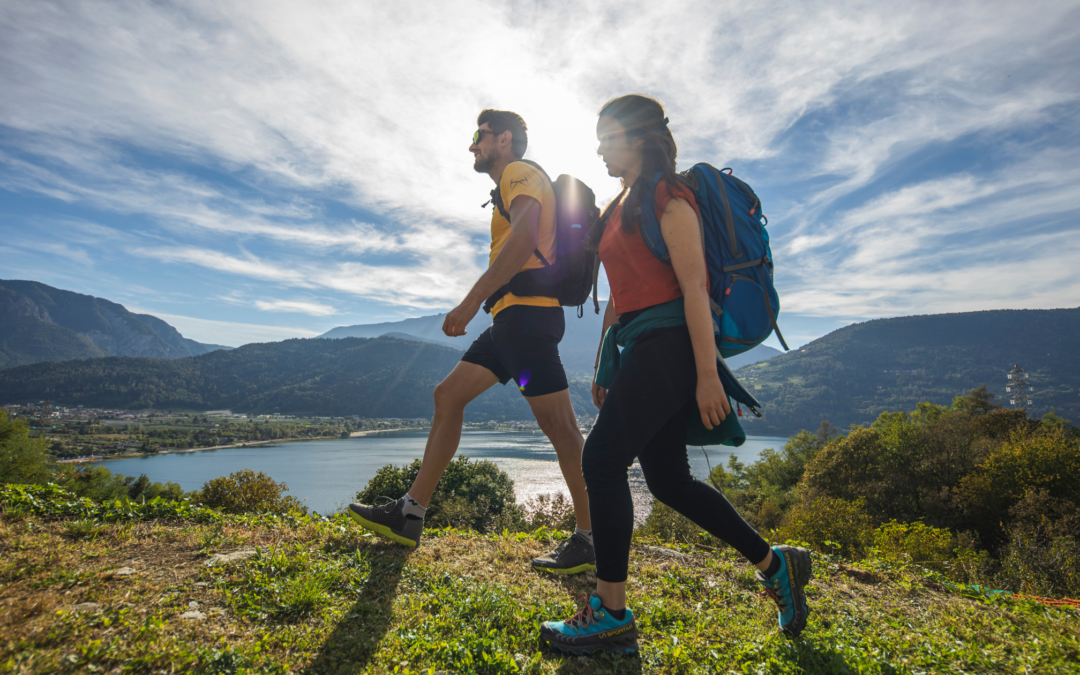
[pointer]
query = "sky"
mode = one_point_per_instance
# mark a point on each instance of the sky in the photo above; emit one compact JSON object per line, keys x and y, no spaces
{"x":256,"y":171}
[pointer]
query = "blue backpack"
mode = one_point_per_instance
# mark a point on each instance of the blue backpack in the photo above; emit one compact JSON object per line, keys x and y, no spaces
{"x":741,"y":293}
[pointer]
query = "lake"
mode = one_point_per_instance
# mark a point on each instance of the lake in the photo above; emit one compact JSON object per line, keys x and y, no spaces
{"x":327,"y":474}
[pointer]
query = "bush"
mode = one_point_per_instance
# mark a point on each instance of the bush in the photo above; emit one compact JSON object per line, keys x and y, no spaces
{"x":94,"y":482}
{"x":1028,"y":463}
{"x":473,"y":495}
{"x":554,"y":512}
{"x":784,"y":469}
{"x":248,"y":492}
{"x":23,"y":460}
{"x":667,"y":524}
{"x":829,"y":524}
{"x":1040,"y":566}
{"x":913,"y":543}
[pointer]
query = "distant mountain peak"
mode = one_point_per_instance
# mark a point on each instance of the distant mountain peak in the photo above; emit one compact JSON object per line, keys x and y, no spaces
{"x":42,"y":323}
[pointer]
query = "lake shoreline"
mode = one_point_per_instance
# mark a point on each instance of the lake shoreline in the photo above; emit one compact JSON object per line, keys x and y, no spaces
{"x":247,"y":444}
{"x":327,"y":475}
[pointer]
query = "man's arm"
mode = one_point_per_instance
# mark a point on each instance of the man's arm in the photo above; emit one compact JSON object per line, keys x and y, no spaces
{"x":524,"y":235}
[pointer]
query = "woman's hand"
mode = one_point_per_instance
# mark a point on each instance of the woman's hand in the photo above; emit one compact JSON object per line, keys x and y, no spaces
{"x":711,"y":400}
{"x":599,"y":394}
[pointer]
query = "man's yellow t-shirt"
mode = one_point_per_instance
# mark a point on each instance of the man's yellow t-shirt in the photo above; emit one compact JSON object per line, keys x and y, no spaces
{"x":517,"y":179}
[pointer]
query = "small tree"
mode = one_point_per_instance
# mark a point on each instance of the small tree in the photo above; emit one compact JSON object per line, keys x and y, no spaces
{"x":246,"y":491}
{"x":978,"y":401}
{"x":22,"y":459}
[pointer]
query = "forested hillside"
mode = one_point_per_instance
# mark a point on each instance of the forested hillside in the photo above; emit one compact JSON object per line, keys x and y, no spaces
{"x":577,"y":348}
{"x":42,"y":323}
{"x":853,"y":374}
{"x":381,"y":377}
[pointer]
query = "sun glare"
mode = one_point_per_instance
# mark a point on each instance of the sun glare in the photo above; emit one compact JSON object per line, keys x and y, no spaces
{"x":562,"y":139}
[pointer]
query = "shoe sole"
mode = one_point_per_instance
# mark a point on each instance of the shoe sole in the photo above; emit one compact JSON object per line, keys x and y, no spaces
{"x":627,"y":645}
{"x":382,"y":530}
{"x":594,"y":649}
{"x":799,"y":568}
{"x":587,"y":567}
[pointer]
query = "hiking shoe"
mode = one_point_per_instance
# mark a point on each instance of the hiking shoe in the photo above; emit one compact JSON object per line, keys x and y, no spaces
{"x":786,"y":588}
{"x":571,"y":556}
{"x":592,"y":630}
{"x":388,"y":520}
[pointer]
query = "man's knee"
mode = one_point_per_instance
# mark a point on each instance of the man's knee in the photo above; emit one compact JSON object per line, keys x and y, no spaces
{"x":446,"y":398}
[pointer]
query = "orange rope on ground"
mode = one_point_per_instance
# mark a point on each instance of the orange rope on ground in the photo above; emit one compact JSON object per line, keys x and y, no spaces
{"x":1051,"y":602}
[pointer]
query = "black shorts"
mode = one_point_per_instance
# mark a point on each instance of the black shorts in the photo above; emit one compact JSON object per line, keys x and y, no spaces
{"x":522,"y":344}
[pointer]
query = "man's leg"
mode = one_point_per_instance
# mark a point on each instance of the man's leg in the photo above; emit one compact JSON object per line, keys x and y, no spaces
{"x":464,"y":383}
{"x":402,"y":521}
{"x":555,"y":415}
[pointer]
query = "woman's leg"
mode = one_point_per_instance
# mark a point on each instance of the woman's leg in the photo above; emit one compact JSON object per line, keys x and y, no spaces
{"x":651,"y":387}
{"x":667,"y":473}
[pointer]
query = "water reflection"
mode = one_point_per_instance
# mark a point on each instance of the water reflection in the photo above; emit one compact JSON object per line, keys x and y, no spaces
{"x":327,"y":474}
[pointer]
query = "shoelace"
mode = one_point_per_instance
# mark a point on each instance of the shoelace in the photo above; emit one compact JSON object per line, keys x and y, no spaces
{"x":780,"y":601}
{"x":386,"y":506}
{"x":584,"y":617}
{"x":563,"y":545}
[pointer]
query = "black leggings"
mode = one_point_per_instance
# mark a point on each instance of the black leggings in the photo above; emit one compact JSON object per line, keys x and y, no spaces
{"x":644,"y":416}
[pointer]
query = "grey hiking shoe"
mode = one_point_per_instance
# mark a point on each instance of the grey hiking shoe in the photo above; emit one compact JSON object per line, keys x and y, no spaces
{"x":571,"y":556}
{"x":786,"y":588}
{"x":388,"y":520}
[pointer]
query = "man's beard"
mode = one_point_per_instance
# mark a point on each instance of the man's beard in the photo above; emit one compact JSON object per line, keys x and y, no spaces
{"x":483,"y":164}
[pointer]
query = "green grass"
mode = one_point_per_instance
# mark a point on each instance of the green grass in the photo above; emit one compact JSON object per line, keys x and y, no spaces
{"x":322,"y":597}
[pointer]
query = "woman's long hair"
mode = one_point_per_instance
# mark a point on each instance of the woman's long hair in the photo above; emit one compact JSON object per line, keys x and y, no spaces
{"x":643,"y":118}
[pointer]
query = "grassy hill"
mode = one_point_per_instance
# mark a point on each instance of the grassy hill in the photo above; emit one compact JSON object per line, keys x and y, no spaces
{"x":380,"y":377}
{"x":138,"y":594}
{"x":853,"y":374}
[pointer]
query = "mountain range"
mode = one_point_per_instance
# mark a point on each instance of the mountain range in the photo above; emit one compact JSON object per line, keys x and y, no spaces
{"x":849,"y":376}
{"x":853,"y":374}
{"x":369,"y":377}
{"x":42,"y":323}
{"x":577,"y":349}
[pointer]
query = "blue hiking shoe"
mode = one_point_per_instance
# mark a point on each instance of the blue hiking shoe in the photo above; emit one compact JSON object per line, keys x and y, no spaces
{"x":592,"y":630}
{"x":786,"y":588}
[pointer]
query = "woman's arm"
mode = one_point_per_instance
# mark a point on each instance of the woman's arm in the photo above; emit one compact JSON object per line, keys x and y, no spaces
{"x":679,"y":226}
{"x":610,"y":318}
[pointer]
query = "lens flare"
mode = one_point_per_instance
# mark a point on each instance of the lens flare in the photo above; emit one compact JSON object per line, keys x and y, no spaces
{"x":523,"y":379}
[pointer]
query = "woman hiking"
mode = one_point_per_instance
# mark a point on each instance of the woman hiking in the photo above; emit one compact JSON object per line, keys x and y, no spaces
{"x":667,"y":373}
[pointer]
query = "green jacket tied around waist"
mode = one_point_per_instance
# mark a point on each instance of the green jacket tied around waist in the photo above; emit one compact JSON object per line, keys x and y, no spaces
{"x":666,"y":315}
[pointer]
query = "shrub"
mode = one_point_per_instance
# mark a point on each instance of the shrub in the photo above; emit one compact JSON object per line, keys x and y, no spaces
{"x":554,"y":512}
{"x":246,"y":491}
{"x":23,"y":459}
{"x":1040,"y":566}
{"x":667,"y":524}
{"x":473,"y":495}
{"x":913,"y":543}
{"x":905,"y":466}
{"x":1029,"y":461}
{"x":829,"y":524}
{"x":784,"y":469}
{"x":94,"y":482}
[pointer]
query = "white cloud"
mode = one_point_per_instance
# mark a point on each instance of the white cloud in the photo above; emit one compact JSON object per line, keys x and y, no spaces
{"x":227,"y":332}
{"x":371,"y":104}
{"x":297,"y":306}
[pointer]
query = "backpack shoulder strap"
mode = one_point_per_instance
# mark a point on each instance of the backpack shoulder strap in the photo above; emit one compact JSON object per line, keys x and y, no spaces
{"x":649,"y":225}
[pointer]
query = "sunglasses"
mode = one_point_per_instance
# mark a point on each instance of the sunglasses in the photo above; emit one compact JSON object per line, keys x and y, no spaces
{"x":479,"y":133}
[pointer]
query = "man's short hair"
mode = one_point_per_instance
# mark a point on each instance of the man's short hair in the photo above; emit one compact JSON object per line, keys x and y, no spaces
{"x":504,"y":120}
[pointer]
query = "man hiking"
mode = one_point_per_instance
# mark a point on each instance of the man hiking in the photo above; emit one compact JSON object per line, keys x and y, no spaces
{"x":521,"y":344}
